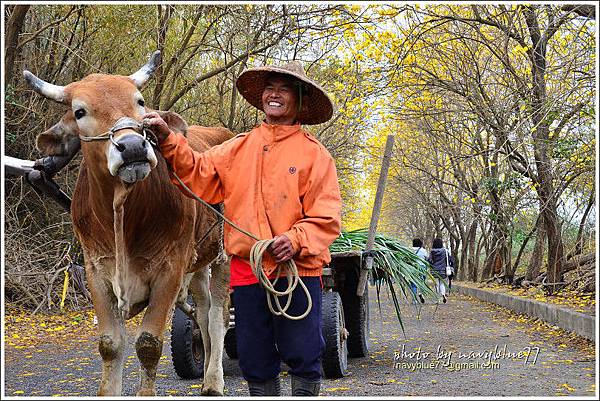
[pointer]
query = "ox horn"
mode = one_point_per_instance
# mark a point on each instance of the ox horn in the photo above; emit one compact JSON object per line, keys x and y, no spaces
{"x":143,"y":74}
{"x":44,"y":88}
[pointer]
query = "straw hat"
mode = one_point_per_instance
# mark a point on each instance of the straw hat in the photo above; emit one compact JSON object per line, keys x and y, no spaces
{"x":251,"y":84}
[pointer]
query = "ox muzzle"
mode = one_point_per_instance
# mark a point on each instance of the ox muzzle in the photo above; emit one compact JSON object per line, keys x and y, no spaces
{"x":130,"y":156}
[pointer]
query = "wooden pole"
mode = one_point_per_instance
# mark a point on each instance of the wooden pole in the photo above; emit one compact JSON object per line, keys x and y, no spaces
{"x":385,"y":165}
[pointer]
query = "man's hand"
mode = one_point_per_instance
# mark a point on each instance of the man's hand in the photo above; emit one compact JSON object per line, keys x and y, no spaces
{"x":157,"y":125}
{"x":281,"y":249}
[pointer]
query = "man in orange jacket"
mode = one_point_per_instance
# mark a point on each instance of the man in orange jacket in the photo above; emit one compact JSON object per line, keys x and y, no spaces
{"x":276,"y":181}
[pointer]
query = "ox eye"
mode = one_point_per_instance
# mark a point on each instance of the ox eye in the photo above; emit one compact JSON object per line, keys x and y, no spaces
{"x":79,"y":113}
{"x":141,"y":102}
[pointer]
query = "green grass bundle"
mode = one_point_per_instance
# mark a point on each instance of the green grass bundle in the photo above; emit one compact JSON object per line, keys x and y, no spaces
{"x":393,"y":264}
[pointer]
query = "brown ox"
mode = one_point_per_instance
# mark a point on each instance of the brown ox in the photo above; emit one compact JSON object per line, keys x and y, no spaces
{"x":143,"y":241}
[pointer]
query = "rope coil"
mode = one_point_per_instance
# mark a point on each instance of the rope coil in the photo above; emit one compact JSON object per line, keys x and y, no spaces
{"x":256,"y":255}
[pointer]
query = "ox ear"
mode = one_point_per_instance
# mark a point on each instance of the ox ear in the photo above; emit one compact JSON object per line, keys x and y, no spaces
{"x":61,"y":139}
{"x":175,"y":122}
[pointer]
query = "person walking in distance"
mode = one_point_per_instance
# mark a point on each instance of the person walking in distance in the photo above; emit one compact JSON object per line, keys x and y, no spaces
{"x":440,"y":258}
{"x":417,"y":244}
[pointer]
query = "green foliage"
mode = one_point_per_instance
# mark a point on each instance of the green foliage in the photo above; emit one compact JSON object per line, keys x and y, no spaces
{"x":510,"y":181}
{"x":565,"y":147}
{"x":393,"y":264}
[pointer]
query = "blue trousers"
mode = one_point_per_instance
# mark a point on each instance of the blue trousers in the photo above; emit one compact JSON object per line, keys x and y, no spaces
{"x":413,"y":287}
{"x":264,"y":340}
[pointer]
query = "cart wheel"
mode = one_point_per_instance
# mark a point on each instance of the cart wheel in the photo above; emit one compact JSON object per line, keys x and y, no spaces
{"x":231,"y":344}
{"x":187,"y":348}
{"x":335,"y":358}
{"x":357,"y":310}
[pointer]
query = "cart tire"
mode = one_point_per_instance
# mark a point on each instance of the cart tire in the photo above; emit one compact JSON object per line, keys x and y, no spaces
{"x":335,"y":357}
{"x":187,"y":348}
{"x":231,"y":344}
{"x":358,"y":325}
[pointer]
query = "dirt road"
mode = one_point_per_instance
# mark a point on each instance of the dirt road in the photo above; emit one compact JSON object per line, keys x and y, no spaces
{"x":463,"y":348}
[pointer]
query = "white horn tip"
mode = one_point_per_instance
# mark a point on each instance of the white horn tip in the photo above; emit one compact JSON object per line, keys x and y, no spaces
{"x":143,"y":74}
{"x":44,"y":88}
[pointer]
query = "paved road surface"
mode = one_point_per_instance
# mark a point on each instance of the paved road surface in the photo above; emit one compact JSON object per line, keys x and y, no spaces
{"x":446,"y":352}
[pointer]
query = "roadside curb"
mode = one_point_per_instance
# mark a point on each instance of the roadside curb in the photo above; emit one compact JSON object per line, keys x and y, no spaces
{"x":577,"y":322}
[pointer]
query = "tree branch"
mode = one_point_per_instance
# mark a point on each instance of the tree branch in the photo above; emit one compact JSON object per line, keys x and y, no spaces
{"x":48,"y":25}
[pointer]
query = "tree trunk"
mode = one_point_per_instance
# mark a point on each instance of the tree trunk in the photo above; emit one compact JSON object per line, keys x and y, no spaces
{"x":483,"y":245}
{"x":234,"y":93}
{"x":472,"y":263}
{"x":497,"y":257}
{"x":462,"y":273}
{"x":537,"y":225}
{"x":579,"y":243}
{"x":163,"y":25}
{"x":555,"y":251}
{"x":508,"y":270}
{"x":13,"y":29}
{"x":542,"y":145}
{"x":488,"y":264}
{"x":537,"y":256}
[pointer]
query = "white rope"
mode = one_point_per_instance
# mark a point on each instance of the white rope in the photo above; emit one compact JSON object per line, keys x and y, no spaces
{"x":256,"y":255}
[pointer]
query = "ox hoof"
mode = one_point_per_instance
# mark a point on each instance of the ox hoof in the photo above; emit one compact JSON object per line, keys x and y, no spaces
{"x":211,"y":391}
{"x":146,"y":393}
{"x":106,"y":393}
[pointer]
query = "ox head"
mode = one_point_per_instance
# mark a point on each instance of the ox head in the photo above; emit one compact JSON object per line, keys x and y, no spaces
{"x":105,"y":114}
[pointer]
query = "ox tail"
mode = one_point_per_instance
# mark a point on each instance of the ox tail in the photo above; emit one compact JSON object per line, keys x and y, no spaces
{"x":121,"y":262}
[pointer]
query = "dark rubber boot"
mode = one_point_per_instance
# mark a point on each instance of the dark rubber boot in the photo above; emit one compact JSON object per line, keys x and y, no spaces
{"x":303,"y":387}
{"x":270,"y":387}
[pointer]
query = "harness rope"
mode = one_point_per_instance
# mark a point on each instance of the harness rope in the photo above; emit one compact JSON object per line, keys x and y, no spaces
{"x":256,"y":252}
{"x":256,"y":255}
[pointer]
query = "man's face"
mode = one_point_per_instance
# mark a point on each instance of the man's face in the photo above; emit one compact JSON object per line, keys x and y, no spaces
{"x":280,"y":100}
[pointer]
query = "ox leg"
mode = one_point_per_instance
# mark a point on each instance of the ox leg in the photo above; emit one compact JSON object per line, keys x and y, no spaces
{"x":111,"y":328}
{"x":218,"y":322}
{"x":199,"y":288}
{"x":149,"y":342}
{"x":182,"y":297}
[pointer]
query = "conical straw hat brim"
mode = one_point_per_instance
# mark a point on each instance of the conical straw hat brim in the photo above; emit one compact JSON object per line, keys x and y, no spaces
{"x":251,"y":84}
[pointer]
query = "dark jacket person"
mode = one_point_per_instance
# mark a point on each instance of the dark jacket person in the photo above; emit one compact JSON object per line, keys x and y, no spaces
{"x":439,"y":257}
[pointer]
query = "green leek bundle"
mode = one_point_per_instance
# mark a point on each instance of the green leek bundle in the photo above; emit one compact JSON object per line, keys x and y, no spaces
{"x":393,"y":264}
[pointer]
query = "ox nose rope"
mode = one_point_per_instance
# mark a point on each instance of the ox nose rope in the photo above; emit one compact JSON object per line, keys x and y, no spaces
{"x":121,"y":124}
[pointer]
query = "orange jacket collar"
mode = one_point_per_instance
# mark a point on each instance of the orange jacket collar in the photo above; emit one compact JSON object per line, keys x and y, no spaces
{"x":276,"y":133}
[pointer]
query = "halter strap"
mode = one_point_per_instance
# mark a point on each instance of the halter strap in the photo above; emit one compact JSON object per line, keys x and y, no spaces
{"x":121,"y":124}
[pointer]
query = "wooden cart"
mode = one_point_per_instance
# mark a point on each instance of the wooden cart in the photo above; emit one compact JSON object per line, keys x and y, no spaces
{"x":345,"y":314}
